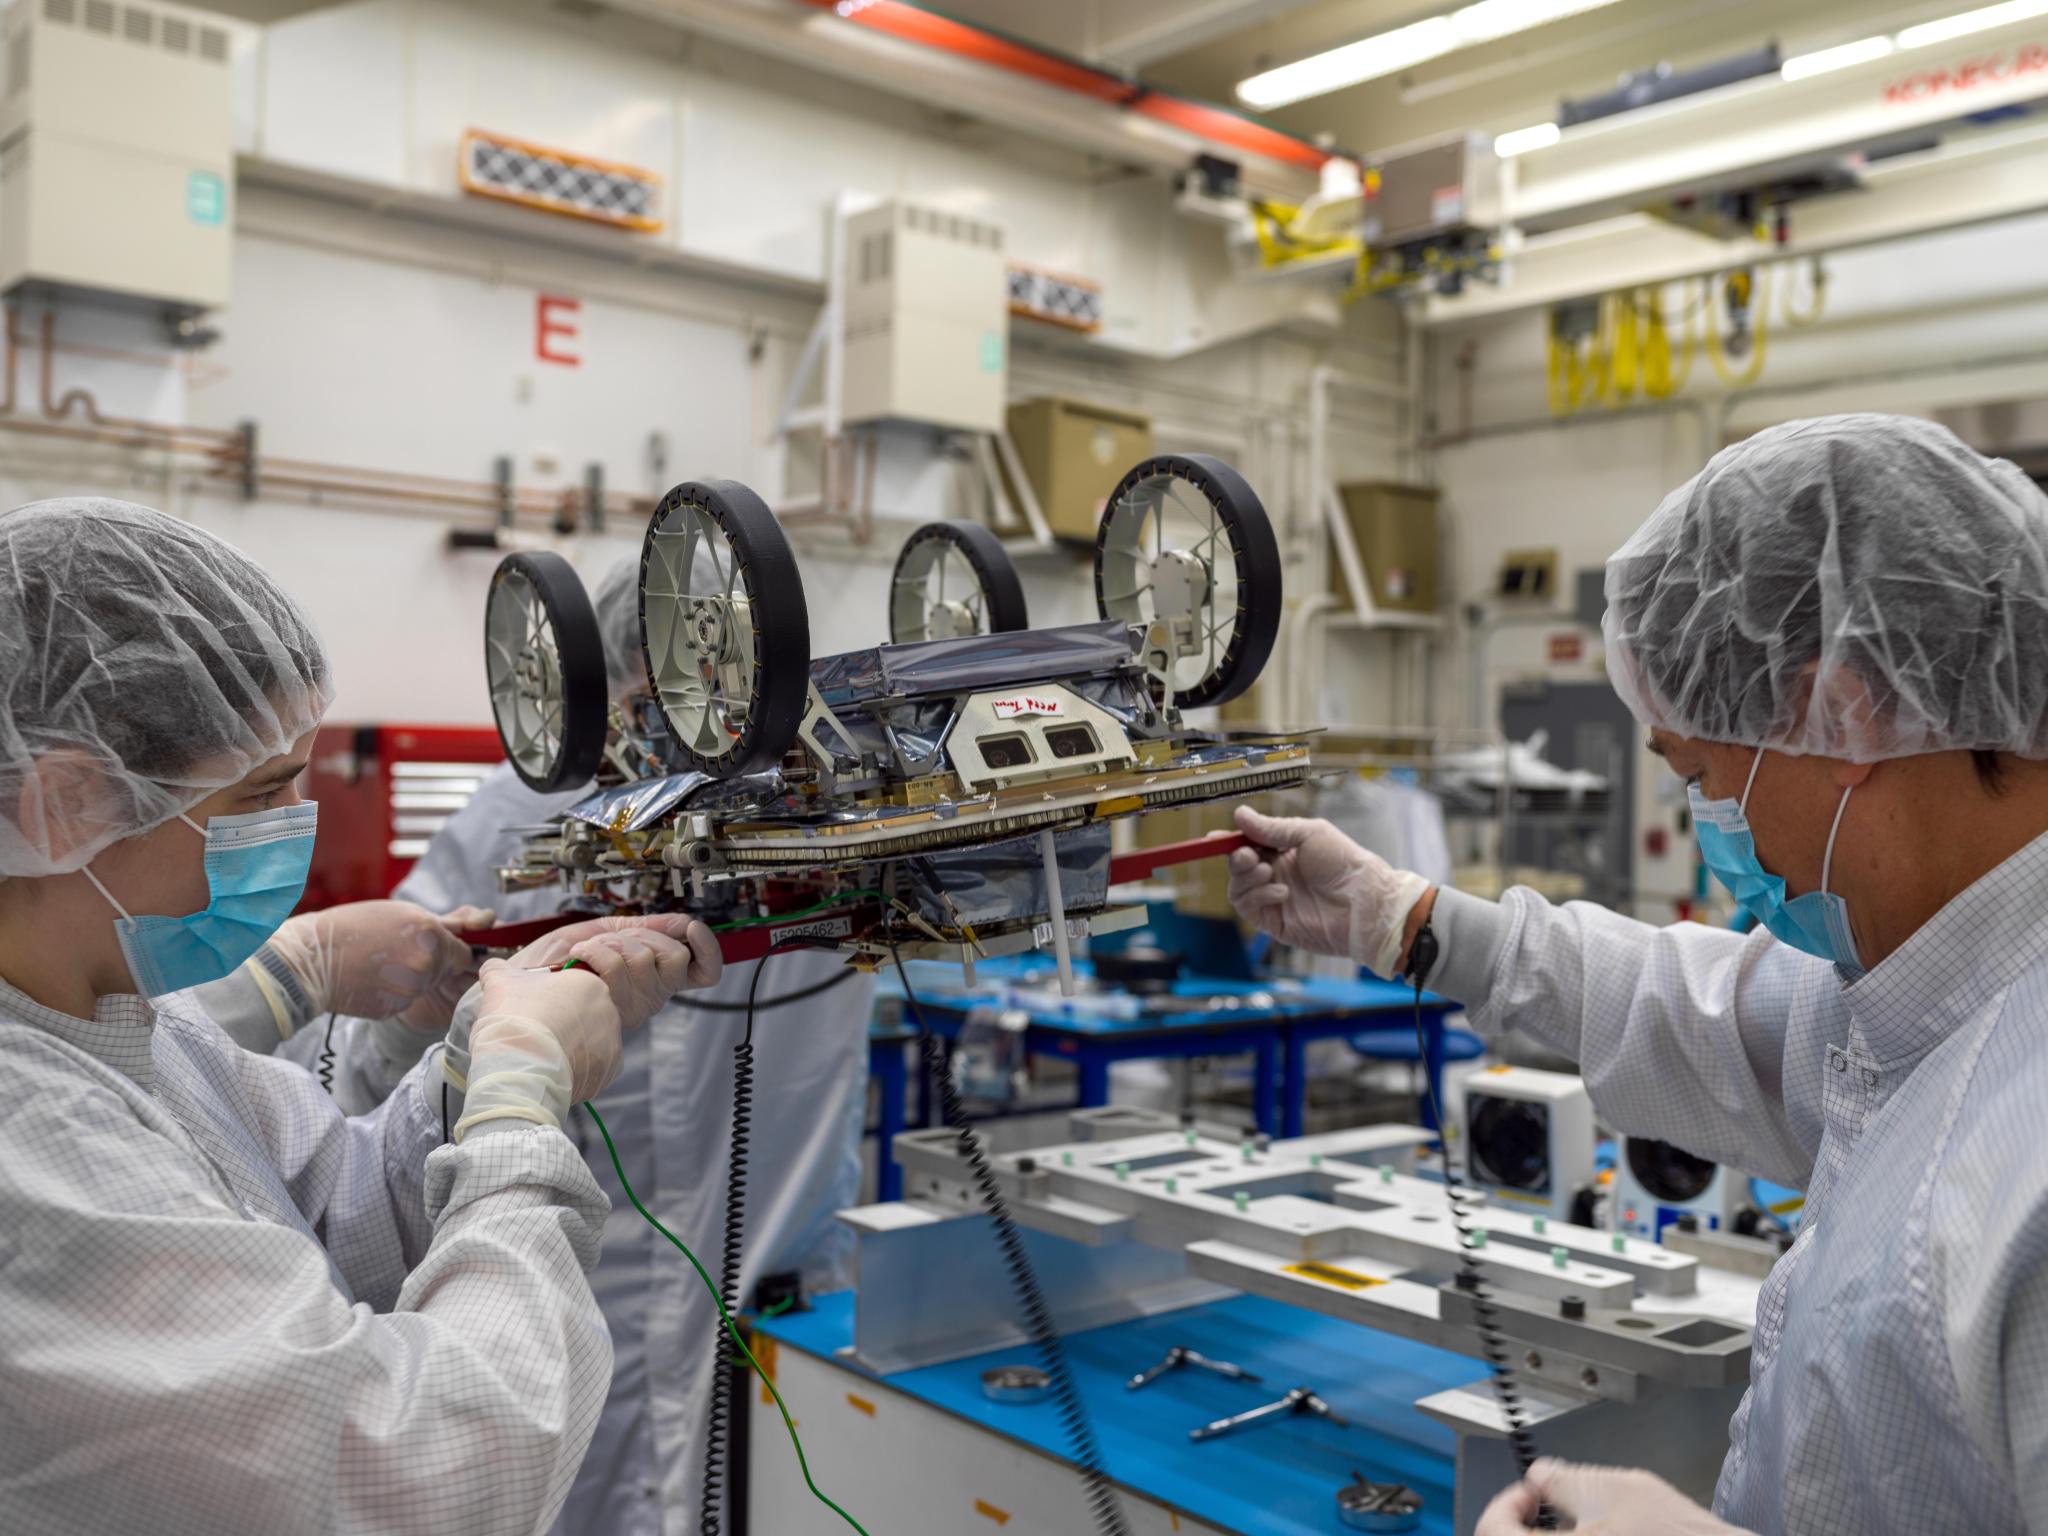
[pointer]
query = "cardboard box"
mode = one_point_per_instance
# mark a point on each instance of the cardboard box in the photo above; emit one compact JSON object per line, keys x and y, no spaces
{"x":1395,"y":528}
{"x":1073,"y":453}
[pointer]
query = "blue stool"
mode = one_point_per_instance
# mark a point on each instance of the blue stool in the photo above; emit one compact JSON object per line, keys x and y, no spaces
{"x":1399,"y":1044}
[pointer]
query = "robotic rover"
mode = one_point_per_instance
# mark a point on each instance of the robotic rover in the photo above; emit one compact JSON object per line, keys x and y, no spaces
{"x":948,"y":795}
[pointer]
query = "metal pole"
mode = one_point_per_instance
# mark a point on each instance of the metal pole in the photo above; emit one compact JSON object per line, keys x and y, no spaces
{"x":1056,"y":909}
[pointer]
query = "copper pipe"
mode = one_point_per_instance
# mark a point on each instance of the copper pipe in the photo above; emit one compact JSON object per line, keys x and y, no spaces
{"x":476,"y":503}
{"x":232,"y":453}
{"x":113,"y":437}
{"x":58,"y":410}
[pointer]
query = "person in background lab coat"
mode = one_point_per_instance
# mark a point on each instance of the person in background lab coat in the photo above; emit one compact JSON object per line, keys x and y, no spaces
{"x":1837,"y":634}
{"x":671,"y":1114}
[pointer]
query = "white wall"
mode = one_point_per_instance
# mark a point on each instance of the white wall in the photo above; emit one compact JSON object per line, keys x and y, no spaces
{"x":379,"y":322}
{"x":751,"y":151}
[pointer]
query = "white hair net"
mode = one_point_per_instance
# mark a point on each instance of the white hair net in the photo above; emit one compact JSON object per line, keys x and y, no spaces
{"x":144,"y":664}
{"x":1860,"y":587}
{"x":618,"y":620}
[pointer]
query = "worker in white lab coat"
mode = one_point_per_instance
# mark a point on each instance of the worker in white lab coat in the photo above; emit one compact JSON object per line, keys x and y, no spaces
{"x":1837,"y":634}
{"x":225,"y":1305}
{"x":671,"y":1114}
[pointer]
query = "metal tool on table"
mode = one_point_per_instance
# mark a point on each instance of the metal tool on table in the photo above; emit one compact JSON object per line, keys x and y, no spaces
{"x":1181,"y":1355}
{"x":1364,"y":1505}
{"x":1300,"y":1401}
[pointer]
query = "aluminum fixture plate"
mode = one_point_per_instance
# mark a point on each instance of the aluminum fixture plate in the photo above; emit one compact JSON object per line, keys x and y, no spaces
{"x":1336,"y":1224}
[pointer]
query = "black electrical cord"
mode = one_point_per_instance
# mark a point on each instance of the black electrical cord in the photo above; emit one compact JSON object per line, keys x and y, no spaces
{"x":1422,"y":958}
{"x":1038,"y":1318}
{"x":327,"y":1057}
{"x":770,"y":1004}
{"x":711,"y":1512}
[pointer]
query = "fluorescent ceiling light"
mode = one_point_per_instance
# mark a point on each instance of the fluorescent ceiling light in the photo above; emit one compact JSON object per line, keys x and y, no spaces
{"x":1388,"y":53}
{"x":1827,"y":60}
{"x":1971,"y":21}
{"x":1522,"y":140}
{"x":1366,"y":59}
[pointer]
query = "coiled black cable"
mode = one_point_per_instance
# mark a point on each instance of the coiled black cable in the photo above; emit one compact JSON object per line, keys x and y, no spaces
{"x":711,"y":1511}
{"x":326,"y":1070}
{"x":1493,"y":1344}
{"x":1038,"y":1319}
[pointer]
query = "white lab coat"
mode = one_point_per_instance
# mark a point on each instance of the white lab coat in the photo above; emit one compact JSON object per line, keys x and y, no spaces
{"x":226,"y":1307}
{"x":671,"y":1114}
{"x":1899,"y":1381}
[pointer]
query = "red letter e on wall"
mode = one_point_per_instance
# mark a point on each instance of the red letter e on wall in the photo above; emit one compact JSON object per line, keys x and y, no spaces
{"x":552,"y":327}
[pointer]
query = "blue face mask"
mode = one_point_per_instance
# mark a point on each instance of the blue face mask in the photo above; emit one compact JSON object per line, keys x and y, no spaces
{"x":1817,"y":922}
{"x":255,"y":874}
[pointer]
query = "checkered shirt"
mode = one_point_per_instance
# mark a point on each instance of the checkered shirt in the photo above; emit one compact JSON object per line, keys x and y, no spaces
{"x":226,"y":1306}
{"x":1899,"y":1381}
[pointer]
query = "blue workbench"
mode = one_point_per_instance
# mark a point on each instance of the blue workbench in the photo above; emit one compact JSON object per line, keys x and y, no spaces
{"x":1278,"y":1478}
{"x":1305,"y":1010}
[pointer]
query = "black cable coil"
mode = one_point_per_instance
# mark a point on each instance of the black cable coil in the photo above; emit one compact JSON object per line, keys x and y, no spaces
{"x":711,"y":1512}
{"x":1038,"y":1319}
{"x":724,"y":1356}
{"x":1492,"y":1337}
{"x":326,"y":1067}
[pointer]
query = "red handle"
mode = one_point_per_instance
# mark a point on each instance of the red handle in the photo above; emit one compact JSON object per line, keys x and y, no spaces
{"x":1140,"y":862}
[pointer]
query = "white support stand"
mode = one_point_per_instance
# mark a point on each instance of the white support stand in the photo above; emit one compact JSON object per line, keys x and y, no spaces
{"x":1056,"y":910}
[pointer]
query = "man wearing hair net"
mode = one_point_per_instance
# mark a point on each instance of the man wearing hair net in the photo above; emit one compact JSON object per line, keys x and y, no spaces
{"x":225,"y":1306}
{"x":673,"y":1126}
{"x":1837,"y":634}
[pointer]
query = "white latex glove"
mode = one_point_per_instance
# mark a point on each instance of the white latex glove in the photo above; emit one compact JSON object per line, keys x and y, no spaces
{"x":430,"y":1013}
{"x":375,"y":959}
{"x":1601,"y":1501}
{"x":540,"y":1041}
{"x":643,"y":961}
{"x":1309,"y":885}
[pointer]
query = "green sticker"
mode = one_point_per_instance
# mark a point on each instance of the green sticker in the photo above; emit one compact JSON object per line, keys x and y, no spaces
{"x":206,"y":198}
{"x":991,"y":352}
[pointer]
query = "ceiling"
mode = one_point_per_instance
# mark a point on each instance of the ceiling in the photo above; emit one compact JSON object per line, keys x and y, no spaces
{"x":1204,"y":47}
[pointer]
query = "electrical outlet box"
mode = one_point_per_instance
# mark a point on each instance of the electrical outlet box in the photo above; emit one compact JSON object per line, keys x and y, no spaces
{"x":1529,"y":1138}
{"x":927,"y":319}
{"x":1435,"y":192}
{"x":1657,"y":1184}
{"x":117,"y":173}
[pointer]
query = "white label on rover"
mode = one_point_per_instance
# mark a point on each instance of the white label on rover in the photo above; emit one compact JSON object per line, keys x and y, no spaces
{"x":821,"y":928}
{"x":1026,"y":704}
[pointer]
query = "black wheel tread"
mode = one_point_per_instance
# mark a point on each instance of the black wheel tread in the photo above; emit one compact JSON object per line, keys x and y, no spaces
{"x":993,"y":569}
{"x":1253,"y":549}
{"x":579,"y":645}
{"x":782,"y":626}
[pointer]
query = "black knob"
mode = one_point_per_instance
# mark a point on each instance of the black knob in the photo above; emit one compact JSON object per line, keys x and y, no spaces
{"x":1572,"y":1308}
{"x":1688,"y":1223}
{"x":1027,"y":1165}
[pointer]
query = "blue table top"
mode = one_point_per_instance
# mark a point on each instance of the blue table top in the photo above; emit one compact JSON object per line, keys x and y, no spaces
{"x":940,"y":993}
{"x":1276,"y":1478}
